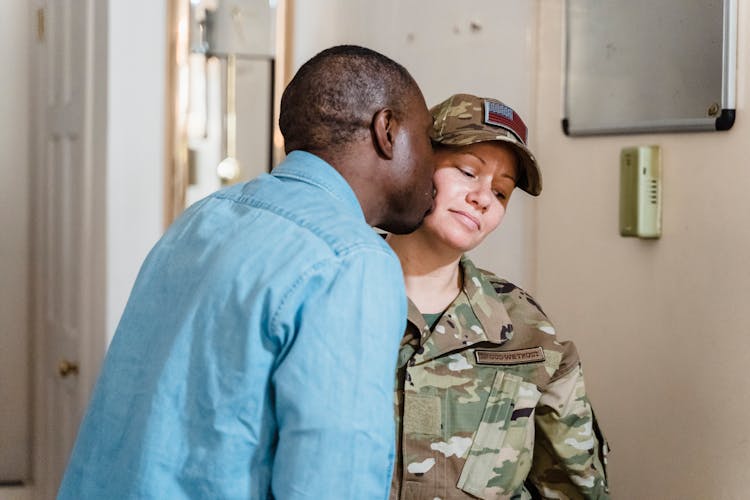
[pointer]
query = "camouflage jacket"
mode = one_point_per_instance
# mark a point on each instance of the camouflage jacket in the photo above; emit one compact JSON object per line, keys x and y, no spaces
{"x":491,"y":405}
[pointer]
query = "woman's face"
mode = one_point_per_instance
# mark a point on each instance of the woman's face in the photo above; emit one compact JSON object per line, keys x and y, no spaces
{"x":473,"y":185}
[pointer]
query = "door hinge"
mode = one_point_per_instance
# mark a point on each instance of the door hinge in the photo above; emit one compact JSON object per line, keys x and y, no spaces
{"x":40,"y":24}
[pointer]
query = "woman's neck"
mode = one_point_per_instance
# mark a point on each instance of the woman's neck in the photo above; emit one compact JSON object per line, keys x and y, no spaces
{"x":431,"y":274}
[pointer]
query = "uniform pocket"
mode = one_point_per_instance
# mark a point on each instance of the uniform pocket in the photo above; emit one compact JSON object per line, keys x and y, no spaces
{"x":500,"y":455}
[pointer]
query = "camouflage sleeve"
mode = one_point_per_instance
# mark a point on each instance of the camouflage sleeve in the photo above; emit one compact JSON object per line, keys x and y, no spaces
{"x":569,"y":452}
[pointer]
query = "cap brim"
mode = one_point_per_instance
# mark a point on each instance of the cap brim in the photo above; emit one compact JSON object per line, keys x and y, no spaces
{"x":533,"y":184}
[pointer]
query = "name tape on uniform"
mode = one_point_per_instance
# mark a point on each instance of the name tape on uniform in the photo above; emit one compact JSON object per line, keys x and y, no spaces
{"x":519,"y":357}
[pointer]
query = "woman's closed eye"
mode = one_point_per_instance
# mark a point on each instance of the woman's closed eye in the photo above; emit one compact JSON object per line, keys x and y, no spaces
{"x":467,"y":172}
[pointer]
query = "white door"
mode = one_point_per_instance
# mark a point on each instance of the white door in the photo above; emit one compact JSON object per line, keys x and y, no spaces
{"x":69,"y":139}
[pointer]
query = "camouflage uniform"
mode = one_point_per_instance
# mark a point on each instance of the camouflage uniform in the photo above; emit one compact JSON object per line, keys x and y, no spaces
{"x":491,"y":405}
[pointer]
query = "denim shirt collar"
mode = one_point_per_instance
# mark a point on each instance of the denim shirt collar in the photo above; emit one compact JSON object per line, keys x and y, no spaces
{"x":309,"y":168}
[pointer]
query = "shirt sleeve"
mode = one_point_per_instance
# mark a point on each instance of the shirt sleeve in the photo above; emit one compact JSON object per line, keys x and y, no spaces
{"x":569,"y":458}
{"x":333,"y":386}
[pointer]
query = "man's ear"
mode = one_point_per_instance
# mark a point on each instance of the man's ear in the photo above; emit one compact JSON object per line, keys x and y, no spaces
{"x":384,"y":126}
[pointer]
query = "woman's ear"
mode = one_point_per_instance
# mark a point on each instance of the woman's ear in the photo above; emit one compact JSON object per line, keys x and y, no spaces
{"x":384,"y":125}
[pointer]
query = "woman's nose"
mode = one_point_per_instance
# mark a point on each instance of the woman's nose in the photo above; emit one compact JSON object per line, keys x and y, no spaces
{"x":481,"y":197}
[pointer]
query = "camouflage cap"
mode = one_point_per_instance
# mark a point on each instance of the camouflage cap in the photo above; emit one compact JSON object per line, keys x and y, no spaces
{"x":465,"y":119}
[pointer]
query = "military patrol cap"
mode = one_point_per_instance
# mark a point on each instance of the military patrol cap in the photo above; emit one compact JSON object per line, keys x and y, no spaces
{"x":465,"y":119}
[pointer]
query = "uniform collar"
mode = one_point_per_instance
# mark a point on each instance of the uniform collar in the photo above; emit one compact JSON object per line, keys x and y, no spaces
{"x":476,"y":315}
{"x":309,"y":168}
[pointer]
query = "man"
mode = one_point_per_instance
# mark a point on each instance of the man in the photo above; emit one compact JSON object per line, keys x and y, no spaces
{"x":255,"y":356}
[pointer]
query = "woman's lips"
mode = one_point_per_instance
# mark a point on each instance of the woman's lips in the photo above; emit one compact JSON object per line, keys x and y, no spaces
{"x":468,"y":219}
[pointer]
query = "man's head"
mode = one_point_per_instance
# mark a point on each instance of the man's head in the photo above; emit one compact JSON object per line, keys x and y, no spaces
{"x":365,"y":115}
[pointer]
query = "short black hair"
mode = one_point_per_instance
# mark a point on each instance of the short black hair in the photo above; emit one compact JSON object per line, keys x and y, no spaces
{"x":332,"y":98}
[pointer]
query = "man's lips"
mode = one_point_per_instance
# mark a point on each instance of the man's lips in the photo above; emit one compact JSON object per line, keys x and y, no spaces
{"x":432,"y":205}
{"x":468,"y":219}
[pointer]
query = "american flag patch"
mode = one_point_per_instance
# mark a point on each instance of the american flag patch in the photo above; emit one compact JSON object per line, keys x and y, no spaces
{"x":500,"y":115}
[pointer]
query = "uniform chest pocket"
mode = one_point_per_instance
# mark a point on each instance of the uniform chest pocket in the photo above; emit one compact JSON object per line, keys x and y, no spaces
{"x":500,"y":455}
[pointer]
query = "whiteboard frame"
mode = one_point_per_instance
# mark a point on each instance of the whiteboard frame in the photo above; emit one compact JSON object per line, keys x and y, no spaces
{"x":598,"y":116}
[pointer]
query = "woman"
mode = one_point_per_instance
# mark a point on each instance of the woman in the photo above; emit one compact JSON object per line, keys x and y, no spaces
{"x":489,"y":403}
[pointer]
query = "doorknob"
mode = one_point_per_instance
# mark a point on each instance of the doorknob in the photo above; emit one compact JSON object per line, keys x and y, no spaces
{"x":65,"y":368}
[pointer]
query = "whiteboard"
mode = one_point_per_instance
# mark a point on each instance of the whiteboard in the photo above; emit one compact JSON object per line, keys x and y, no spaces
{"x":635,"y":66}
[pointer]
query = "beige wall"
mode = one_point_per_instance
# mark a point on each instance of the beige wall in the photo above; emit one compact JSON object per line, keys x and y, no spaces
{"x":135,"y":143}
{"x":661,"y":325}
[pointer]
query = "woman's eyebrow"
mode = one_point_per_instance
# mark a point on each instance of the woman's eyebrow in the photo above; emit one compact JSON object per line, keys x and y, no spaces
{"x":515,"y":181}
{"x":481,"y":160}
{"x":474,"y":155}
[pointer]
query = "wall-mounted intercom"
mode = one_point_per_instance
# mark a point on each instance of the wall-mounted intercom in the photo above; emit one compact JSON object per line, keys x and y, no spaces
{"x":640,"y":191}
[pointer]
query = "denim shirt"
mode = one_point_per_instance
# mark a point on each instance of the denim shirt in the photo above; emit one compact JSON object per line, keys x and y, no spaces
{"x":256,"y":354}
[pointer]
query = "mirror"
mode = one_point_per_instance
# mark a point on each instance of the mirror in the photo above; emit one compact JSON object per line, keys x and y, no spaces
{"x":223,"y":81}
